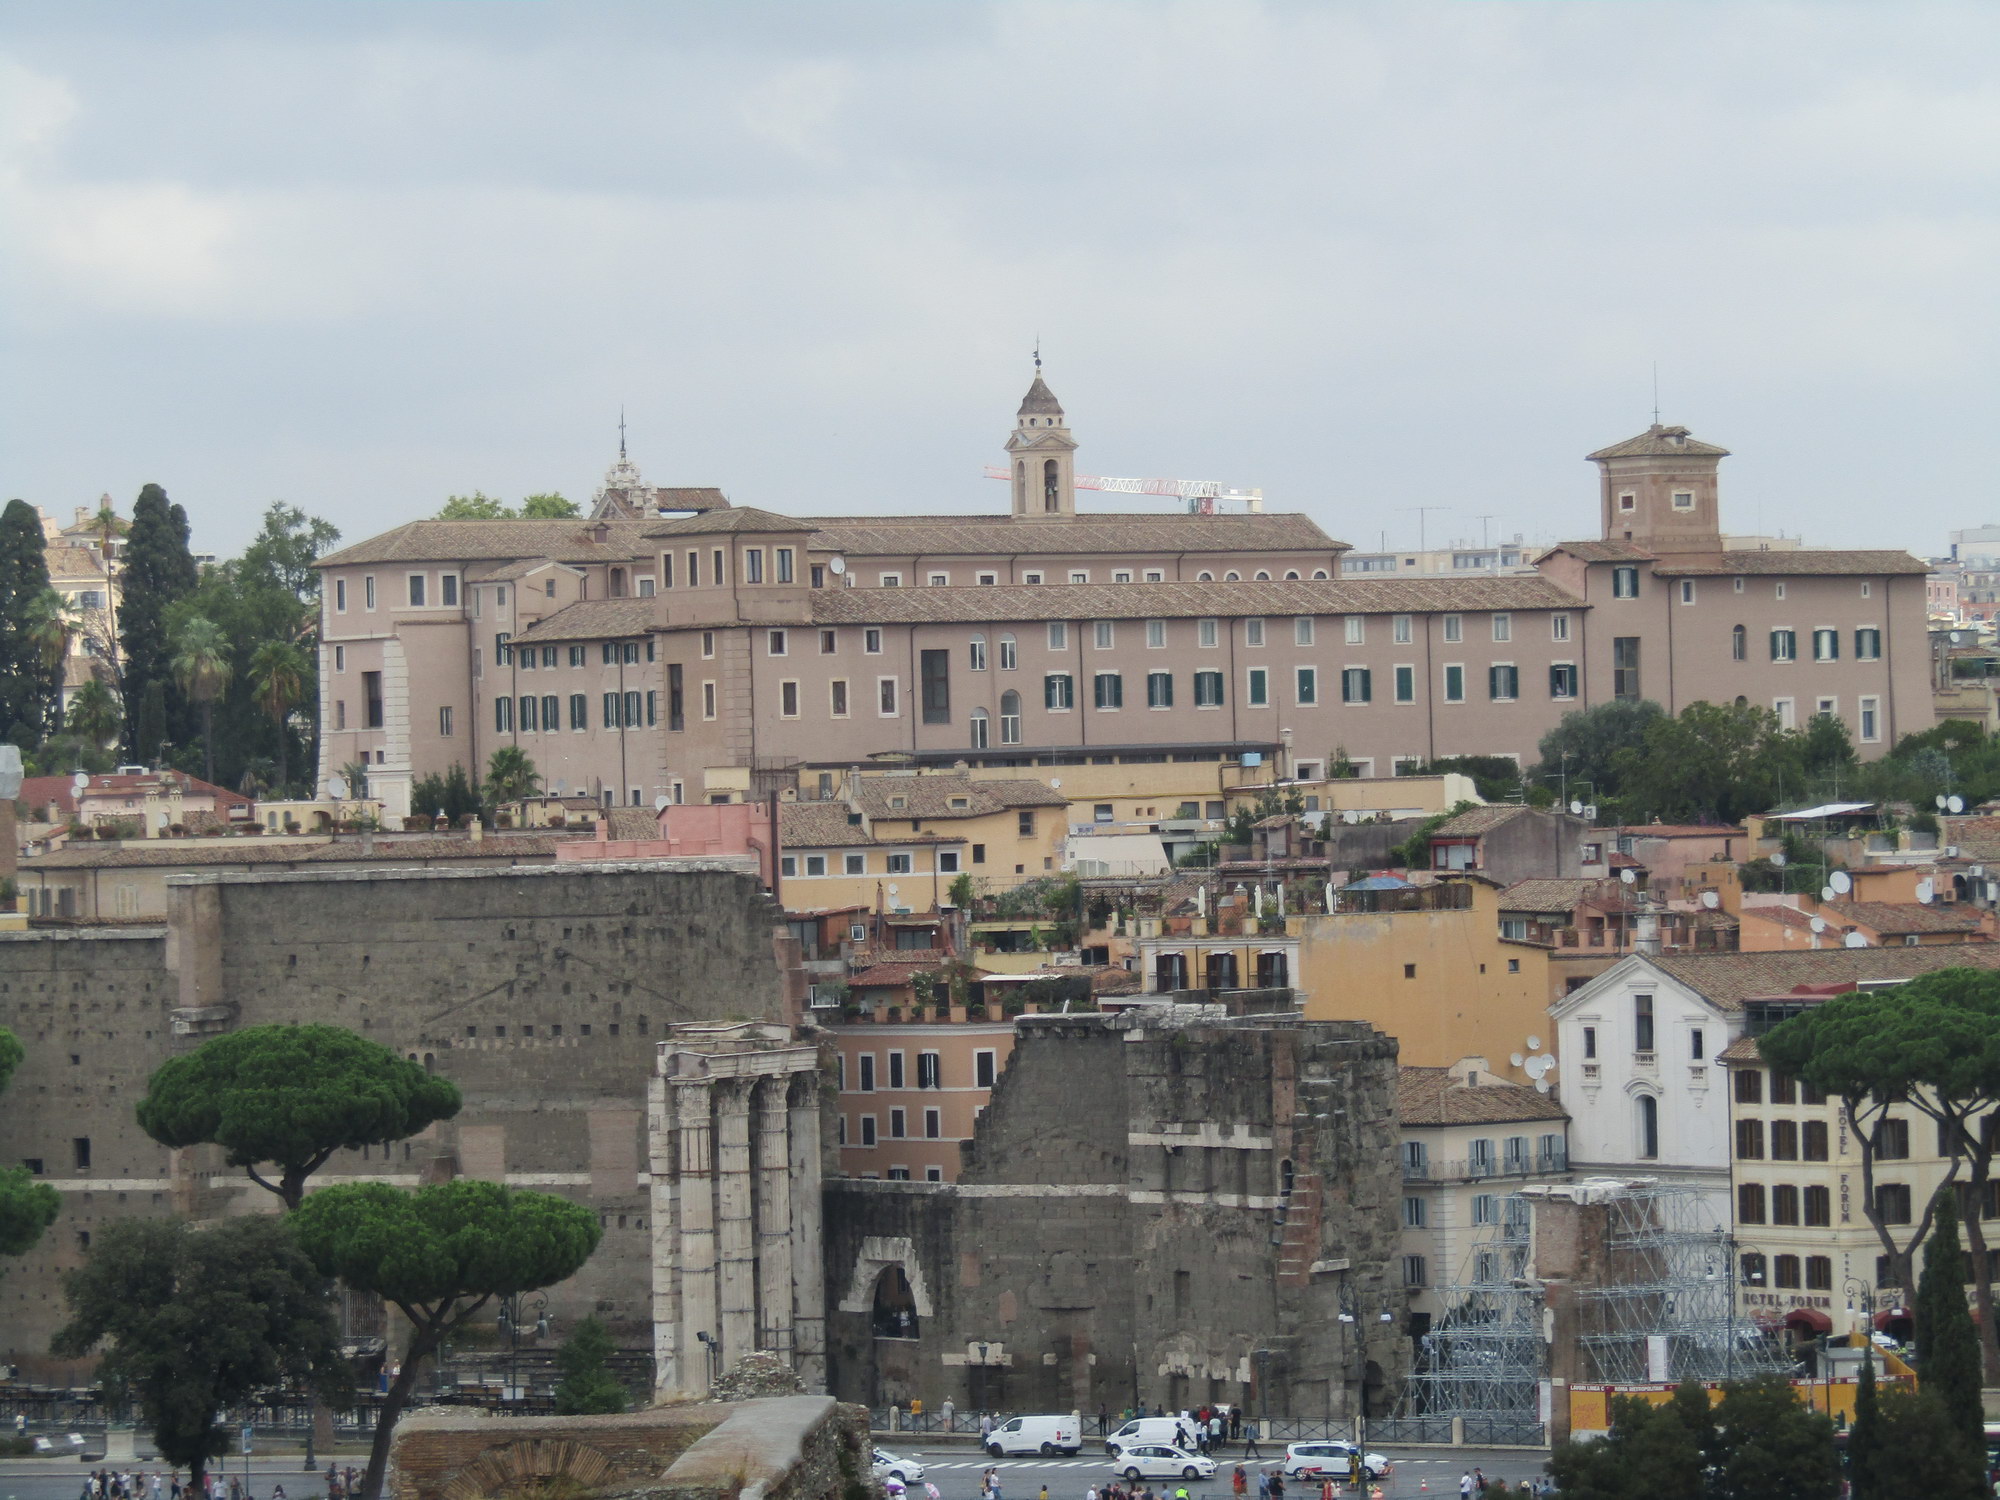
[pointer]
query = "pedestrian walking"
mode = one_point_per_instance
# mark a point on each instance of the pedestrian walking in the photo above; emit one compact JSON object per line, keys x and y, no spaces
{"x":1478,"y":1482}
{"x":1250,"y":1448}
{"x":1239,"y":1482}
{"x":1465,"y":1483}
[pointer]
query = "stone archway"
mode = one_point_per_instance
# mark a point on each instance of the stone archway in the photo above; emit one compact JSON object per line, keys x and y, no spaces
{"x":530,"y":1464}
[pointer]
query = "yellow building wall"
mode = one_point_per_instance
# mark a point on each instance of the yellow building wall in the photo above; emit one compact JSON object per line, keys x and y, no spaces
{"x":1443,"y":983}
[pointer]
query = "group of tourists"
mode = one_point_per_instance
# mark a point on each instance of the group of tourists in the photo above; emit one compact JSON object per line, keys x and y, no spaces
{"x":117,"y":1484}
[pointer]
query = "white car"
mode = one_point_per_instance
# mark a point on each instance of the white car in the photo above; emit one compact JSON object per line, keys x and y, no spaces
{"x":889,"y":1466}
{"x":1331,"y":1457}
{"x":1159,"y":1461}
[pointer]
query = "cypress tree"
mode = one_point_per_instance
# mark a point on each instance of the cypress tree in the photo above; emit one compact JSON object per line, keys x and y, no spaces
{"x":27,"y":685}
{"x":158,"y":570}
{"x":1947,"y":1344}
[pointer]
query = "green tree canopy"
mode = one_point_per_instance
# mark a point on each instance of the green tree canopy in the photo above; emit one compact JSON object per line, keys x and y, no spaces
{"x":291,"y":1096}
{"x":1922,"y":1455}
{"x":27,"y":1207}
{"x":29,"y":686}
{"x":94,"y":713}
{"x":1580,"y":753}
{"x":1650,"y":1453}
{"x":1947,"y":1346}
{"x":474,"y":507}
{"x":280,"y":674}
{"x":510,"y":776}
{"x":193,"y":1319}
{"x":439,"y":1254}
{"x":1768,"y":1446}
{"x":202,"y":667}
{"x":451,"y":794}
{"x":157,"y":571}
{"x":281,"y":556}
{"x":588,"y":1388}
{"x":549,"y":507}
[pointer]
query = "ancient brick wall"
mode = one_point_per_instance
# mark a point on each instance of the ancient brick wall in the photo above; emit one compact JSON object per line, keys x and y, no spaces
{"x":541,"y":992}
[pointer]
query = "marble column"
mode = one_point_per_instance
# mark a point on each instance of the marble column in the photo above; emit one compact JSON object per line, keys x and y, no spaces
{"x":808,"y":1277}
{"x":661,"y":1155}
{"x":699,"y":1307}
{"x":736,"y":1247}
{"x":774,"y":1217}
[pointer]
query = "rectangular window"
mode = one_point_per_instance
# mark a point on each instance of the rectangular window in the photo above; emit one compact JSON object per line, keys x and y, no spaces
{"x":340,"y":658}
{"x":417,"y":581}
{"x":1749,"y":1140}
{"x":1503,"y":627}
{"x":707,"y":700}
{"x":982,"y":1070}
{"x":928,"y":1070}
{"x":503,"y":715}
{"x":1454,"y":684}
{"x":368,"y":592}
{"x":1558,"y":627}
{"x":1058,"y":635}
{"x":707,"y":644}
{"x":815,"y":864}
{"x":1503,"y":682}
{"x":1749,"y":1203}
{"x":1892,"y":1140}
{"x":1784,"y":645}
{"x":1406,"y":684}
{"x":1812,"y":1141}
{"x":777,"y":642}
{"x":1058,"y":692}
{"x":371,"y":697}
{"x":887,"y":701}
{"x":1784,"y":1140}
{"x":612,"y":711}
{"x":1871,"y":720}
{"x":632,"y":709}
{"x":1156,"y":633}
{"x":1590,"y":1041}
{"x":784,"y":555}
{"x":947,"y":861}
{"x":676,"y":700}
{"x":1817,"y":1207}
{"x":837,"y":697}
{"x":340,"y":596}
{"x":854,"y":864}
{"x":444,"y":722}
{"x":1259,"y":688}
{"x":1357,"y":685}
{"x":666,"y":570}
{"x":1308,"y":687}
{"x":1749,"y":1086}
{"x":1302,"y":630}
{"x":1159,"y":690}
{"x":1401,"y":630}
{"x":1819,"y":1273}
{"x":551,"y":712}
{"x":1625,"y":583}
{"x":1101,"y":634}
{"x":1625,"y":668}
{"x":579,"y":710}
{"x":694,"y":570}
{"x":1253,"y":632}
{"x":933,"y":1124}
{"x":1414,"y":1216}
{"x":716,"y":574}
{"x":1562,"y":679}
{"x":898,"y":864}
{"x":867,"y":1130}
{"x":935,"y":669}
{"x":1206,"y":633}
{"x":1414,"y":1271}
{"x":871,"y":641}
{"x":1868,"y":644}
{"x":788,"y":699}
{"x":1454,"y":629}
{"x":1642,"y":1023}
{"x":1687,"y":591}
{"x":1356,"y":628}
{"x":1826,"y":645}
{"x":1208,"y":690}
{"x":1892,"y":1202}
{"x":829,"y":642}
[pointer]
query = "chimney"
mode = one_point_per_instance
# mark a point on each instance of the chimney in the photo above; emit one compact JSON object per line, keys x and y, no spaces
{"x":1646,"y":938}
{"x":477,"y":828}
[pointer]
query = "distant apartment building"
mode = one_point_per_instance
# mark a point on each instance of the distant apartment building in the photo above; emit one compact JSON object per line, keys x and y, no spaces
{"x":673,"y":646}
{"x":911,"y":1091}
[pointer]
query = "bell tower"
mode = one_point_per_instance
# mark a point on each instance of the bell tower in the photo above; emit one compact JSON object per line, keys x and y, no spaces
{"x":1042,"y":456}
{"x":1658,"y":491}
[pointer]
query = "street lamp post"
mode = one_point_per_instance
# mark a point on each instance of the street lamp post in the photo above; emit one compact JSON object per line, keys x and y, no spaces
{"x":513,"y":1309}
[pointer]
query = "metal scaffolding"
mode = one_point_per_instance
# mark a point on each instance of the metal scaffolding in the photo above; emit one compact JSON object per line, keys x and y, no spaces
{"x":1659,"y":1305}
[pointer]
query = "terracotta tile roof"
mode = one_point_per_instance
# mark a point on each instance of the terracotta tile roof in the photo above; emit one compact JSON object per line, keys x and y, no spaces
{"x":632,"y":822}
{"x":1677,"y":831}
{"x":1001,"y":536}
{"x":824,"y":825}
{"x":592,"y":620}
{"x":728,"y":519}
{"x":1597,"y":552}
{"x":1669,"y":442}
{"x":932,"y":796}
{"x":519,"y":569}
{"x":888,"y":975}
{"x":1726,"y":980}
{"x":1742,"y":1050}
{"x":74,"y":562}
{"x":1436,"y":1096}
{"x":1976,"y":839}
{"x":1803,"y":563}
{"x":40,"y":791}
{"x":566,"y":540}
{"x":1131,"y":601}
{"x":1784,"y":916}
{"x":1478,"y":820}
{"x":690,"y":497}
{"x":1899,"y":917}
{"x":1552,"y":896}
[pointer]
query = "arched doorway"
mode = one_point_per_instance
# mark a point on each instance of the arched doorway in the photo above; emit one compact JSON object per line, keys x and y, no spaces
{"x":895,"y":1312}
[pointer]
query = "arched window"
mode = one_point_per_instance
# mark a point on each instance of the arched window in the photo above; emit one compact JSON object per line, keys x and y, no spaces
{"x":1739,"y":642}
{"x":1264,"y":575}
{"x":1010,"y":718}
{"x":979,"y":729}
{"x":1051,"y":486}
{"x":1204,"y":577}
{"x":1319,"y":572}
{"x":895,"y":1312}
{"x":1292,"y":573}
{"x":1232,"y":576}
{"x":1649,"y":1127}
{"x":975,"y":653}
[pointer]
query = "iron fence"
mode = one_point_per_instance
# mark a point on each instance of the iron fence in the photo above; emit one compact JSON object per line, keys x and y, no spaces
{"x":1431,"y":1431}
{"x":1504,"y":1432}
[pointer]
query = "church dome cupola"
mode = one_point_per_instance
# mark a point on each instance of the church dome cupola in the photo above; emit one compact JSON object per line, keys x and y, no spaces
{"x":1042,"y":455}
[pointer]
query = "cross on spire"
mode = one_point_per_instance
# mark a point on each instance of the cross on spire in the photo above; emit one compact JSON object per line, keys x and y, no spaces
{"x":621,"y":432}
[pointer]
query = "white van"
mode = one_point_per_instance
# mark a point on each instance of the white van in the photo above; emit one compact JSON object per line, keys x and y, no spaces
{"x":1036,"y":1435}
{"x":1172,"y":1431}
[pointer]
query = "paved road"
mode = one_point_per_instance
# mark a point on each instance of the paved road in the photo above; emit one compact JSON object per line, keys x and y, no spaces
{"x":955,"y":1470}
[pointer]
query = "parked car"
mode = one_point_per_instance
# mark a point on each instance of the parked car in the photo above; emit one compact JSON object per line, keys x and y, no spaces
{"x":889,"y":1466}
{"x":1162,"y":1461}
{"x":1331,"y":1457}
{"x":1172,"y":1431}
{"x":1039,"y":1434}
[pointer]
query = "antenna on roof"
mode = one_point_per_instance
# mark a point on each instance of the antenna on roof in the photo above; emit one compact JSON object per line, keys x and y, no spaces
{"x":1038,"y":354}
{"x":621,"y":432}
{"x":1656,"y":393}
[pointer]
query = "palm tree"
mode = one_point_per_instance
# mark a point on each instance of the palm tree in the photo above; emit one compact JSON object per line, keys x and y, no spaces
{"x":510,"y":776}
{"x":201,"y":666}
{"x":51,"y":622}
{"x":278,"y":671}
{"x":94,"y":713}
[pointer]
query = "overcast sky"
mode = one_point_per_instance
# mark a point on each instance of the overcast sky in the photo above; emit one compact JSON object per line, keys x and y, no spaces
{"x":359,"y":256}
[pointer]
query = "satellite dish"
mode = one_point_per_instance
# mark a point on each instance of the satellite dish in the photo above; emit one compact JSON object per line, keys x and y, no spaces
{"x":1841,"y":881}
{"x":895,"y":890}
{"x":1827,"y":893}
{"x":1926,"y":892}
{"x":1534,"y":1044}
{"x":1630,"y":877}
{"x":1778,"y":859}
{"x":1056,"y":782}
{"x":1517,"y":1060}
{"x":661,"y":802}
{"x":1819,"y":924}
{"x":1955,"y":803}
{"x":1541,"y":1085}
{"x":79,"y":781}
{"x":336,"y":787}
{"x":1540,"y":1066}
{"x":1576,"y":806}
{"x":1940,"y":800}
{"x":1855,"y":940}
{"x":836,"y":566}
{"x":1710,"y":900}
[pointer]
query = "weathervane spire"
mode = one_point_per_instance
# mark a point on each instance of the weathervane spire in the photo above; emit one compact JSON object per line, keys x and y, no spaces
{"x":1038,"y":354}
{"x":621,"y":432}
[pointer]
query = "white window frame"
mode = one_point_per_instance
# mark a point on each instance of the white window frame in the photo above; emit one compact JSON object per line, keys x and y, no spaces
{"x":1059,"y":635}
{"x":1503,"y":626}
{"x":1868,"y":716}
{"x":1208,"y":634}
{"x":1156,"y":635}
{"x":1102,"y":635}
{"x":1454,"y":629}
{"x":788,"y":687}
{"x":839,"y":698}
{"x":1687,"y":591}
{"x":889,"y":580}
{"x":1400,"y":672}
{"x":1302,"y":630}
{"x":1559,"y":626}
{"x":708,"y":703}
{"x":1356,"y":628}
{"x":889,"y":692}
{"x":1253,"y":631}
{"x":1402,"y":630}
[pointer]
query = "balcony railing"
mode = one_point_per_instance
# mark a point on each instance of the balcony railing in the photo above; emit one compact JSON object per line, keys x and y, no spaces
{"x":1480,"y":1169}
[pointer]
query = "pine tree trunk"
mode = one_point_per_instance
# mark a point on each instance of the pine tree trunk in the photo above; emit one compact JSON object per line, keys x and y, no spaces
{"x":421,"y":1348}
